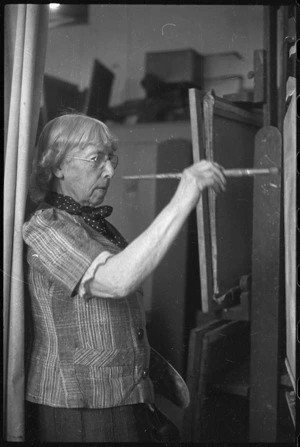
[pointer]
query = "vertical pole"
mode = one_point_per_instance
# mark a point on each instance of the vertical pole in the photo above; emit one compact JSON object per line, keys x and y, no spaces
{"x":270,"y":44}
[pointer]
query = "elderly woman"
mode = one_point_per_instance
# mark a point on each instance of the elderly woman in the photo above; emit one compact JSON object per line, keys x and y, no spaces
{"x":88,"y":373}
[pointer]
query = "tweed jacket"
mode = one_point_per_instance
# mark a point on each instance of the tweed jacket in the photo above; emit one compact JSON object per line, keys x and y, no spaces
{"x":87,"y":351}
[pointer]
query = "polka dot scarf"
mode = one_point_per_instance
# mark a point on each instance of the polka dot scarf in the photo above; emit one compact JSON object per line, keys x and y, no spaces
{"x":94,"y":217}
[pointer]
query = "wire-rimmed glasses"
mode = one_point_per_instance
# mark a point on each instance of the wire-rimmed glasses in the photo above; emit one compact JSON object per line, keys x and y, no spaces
{"x":100,"y":159}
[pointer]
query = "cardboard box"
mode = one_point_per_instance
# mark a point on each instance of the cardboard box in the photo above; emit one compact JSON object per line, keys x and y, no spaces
{"x":179,"y":66}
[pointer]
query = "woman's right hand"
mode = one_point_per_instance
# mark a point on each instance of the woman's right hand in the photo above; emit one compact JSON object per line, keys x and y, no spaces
{"x":197,"y":177}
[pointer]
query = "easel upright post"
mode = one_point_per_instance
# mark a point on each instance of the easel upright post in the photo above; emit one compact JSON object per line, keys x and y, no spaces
{"x":265,"y":296}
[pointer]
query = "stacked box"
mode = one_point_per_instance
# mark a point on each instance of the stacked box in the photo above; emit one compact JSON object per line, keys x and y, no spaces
{"x":178,"y":66}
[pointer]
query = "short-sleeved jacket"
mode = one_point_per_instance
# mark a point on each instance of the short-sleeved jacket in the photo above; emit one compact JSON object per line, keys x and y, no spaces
{"x":87,"y":352}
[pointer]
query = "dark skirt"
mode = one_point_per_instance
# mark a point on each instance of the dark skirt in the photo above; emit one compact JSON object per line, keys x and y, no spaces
{"x":130,"y":423}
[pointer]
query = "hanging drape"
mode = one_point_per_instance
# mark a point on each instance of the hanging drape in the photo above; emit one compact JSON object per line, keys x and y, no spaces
{"x":26,"y":29}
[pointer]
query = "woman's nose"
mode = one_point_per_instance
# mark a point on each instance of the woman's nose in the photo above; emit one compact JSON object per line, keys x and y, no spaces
{"x":108,"y":169}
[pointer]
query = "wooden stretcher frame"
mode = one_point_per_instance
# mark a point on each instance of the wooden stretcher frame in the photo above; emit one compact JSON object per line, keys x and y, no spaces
{"x":206,"y":211}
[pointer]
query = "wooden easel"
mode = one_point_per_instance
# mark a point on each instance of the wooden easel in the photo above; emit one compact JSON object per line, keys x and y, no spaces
{"x":262,"y":262}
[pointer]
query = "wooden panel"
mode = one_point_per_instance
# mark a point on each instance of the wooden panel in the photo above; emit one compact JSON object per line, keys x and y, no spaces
{"x":264,"y":368}
{"x":214,"y":348}
{"x":59,"y":96}
{"x":234,"y":133}
{"x":98,"y":94}
{"x":195,"y":380}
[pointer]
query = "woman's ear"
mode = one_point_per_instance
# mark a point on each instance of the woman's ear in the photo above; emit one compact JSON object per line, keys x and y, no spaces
{"x":58,"y":172}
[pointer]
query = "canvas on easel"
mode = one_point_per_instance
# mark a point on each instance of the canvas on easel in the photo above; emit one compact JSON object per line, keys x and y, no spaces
{"x":225,"y":134}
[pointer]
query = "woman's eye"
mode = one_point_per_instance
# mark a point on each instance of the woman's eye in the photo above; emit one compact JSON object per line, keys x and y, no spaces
{"x":95,"y":158}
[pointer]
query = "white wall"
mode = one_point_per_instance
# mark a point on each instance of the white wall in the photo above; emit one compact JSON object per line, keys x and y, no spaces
{"x":119,"y":36}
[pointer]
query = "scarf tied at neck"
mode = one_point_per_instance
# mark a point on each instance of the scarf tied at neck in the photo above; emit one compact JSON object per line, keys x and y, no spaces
{"x":94,"y":217}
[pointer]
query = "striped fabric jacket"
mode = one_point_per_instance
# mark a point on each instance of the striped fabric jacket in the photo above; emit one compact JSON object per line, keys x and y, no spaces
{"x":87,"y":351}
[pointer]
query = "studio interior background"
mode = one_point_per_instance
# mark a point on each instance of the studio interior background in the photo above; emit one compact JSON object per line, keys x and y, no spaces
{"x":132,"y":66}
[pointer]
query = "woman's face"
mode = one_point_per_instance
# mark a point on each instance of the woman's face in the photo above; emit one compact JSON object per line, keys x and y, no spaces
{"x":81,"y":177}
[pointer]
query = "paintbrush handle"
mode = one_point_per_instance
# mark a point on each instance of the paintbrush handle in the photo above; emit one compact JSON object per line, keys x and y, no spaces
{"x":152,"y":176}
{"x":250,"y":172}
{"x":227,"y":173}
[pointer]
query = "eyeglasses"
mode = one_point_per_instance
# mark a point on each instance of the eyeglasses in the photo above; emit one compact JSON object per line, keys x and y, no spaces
{"x":101,"y":159}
